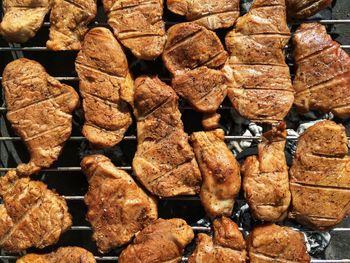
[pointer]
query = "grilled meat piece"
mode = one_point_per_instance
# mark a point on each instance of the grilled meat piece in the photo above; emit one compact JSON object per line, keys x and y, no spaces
{"x":265,"y":178}
{"x":62,"y":255}
{"x":220,"y":172}
{"x":31,"y":215}
{"x":117,"y":207}
{"x":227,"y":246}
{"x":211,"y":121}
{"x":261,"y":88}
{"x":164,"y":161}
{"x":162,"y":241}
{"x":69,"y":20}
{"x":304,"y":8}
{"x":40,"y":111}
{"x":212,"y":14}
{"x":194,"y":56}
{"x":106,"y":87}
{"x":22,"y":19}
{"x":138,"y":25}
{"x":319,"y":176}
{"x":322,"y":78}
{"x":273,"y":243}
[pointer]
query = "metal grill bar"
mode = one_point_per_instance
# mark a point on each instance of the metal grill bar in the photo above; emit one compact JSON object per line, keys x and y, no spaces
{"x":65,"y":169}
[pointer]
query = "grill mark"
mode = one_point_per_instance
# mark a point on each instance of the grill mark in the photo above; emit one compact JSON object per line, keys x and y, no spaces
{"x":113,"y":9}
{"x":116,"y":132}
{"x":151,"y":111}
{"x":332,"y":45}
{"x":99,"y":70}
{"x":270,"y":89}
{"x":320,"y":218}
{"x":183,"y":41}
{"x":328,"y":187}
{"x":259,"y":64}
{"x":306,"y":5}
{"x":271,"y":258}
{"x":227,"y":11}
{"x":82,"y":8}
{"x":216,"y":90}
{"x":44,"y":133}
{"x":141,"y":35}
{"x":210,"y":59}
{"x":102,"y":100}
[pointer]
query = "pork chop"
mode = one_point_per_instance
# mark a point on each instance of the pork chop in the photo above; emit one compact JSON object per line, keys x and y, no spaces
{"x":320,"y":177}
{"x":164,"y":161}
{"x":68,"y":23}
{"x":162,"y":241}
{"x":138,"y":25}
{"x":106,"y":87}
{"x":265,"y":178}
{"x":39,"y":109}
{"x":322,"y":78}
{"x":220,"y":172}
{"x":213,"y":14}
{"x":117,"y":207}
{"x":261,"y":88}
{"x":31,"y":215}
{"x":227,"y":245}
{"x":304,"y":8}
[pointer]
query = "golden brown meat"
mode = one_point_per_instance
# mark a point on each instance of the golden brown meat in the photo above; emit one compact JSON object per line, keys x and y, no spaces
{"x":304,"y":8}
{"x":261,"y":88}
{"x":212,"y":14}
{"x":31,"y":215}
{"x":117,"y":207}
{"x":164,"y":161}
{"x":322,"y":78}
{"x":162,"y":241}
{"x":40,"y":111}
{"x":265,"y":178}
{"x":227,"y":246}
{"x":22,"y":19}
{"x":320,"y":176}
{"x":62,"y":255}
{"x":273,"y":243}
{"x":210,"y":121}
{"x":220,"y":172}
{"x":69,"y":20}
{"x":138,"y":25}
{"x":106,"y":87}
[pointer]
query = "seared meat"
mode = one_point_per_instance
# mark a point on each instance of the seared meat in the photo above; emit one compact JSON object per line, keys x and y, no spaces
{"x":265,"y":178}
{"x":31,"y":215}
{"x":40,"y":111}
{"x":194,"y":55}
{"x":323,"y":72}
{"x":162,"y":241}
{"x":211,"y":121}
{"x":62,"y":255}
{"x":106,"y":87}
{"x":164,"y":161}
{"x":117,"y":207}
{"x":304,"y":8}
{"x":22,"y":19}
{"x":261,"y":88}
{"x":220,"y":172}
{"x":138,"y":25}
{"x":273,"y":243}
{"x":319,"y":176}
{"x":227,"y":246}
{"x":212,"y":14}
{"x":69,"y":20}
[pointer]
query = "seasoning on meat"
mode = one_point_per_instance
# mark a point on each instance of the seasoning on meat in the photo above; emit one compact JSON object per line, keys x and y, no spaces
{"x":164,"y":161}
{"x":304,"y":8}
{"x":106,"y":87}
{"x":40,"y":110}
{"x":117,"y":207}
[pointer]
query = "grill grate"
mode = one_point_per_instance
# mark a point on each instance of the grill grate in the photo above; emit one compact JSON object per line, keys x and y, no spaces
{"x":73,"y":189}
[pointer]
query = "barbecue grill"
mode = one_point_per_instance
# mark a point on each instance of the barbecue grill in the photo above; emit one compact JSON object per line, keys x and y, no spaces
{"x":65,"y":175}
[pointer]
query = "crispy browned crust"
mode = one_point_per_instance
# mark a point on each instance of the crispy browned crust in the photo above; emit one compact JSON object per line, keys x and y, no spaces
{"x":298,"y":9}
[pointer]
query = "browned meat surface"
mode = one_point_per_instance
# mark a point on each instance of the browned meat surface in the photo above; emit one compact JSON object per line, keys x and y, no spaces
{"x":261,"y":88}
{"x":227,"y":245}
{"x":62,"y":255}
{"x":211,"y":121}
{"x":194,"y":56}
{"x":22,"y":19}
{"x":212,"y":14}
{"x":69,"y":20}
{"x":272,"y":243}
{"x":117,"y":207}
{"x":31,"y":215}
{"x":164,"y":161}
{"x":320,"y":177}
{"x":138,"y":25}
{"x":220,"y":172}
{"x":265,"y":178}
{"x":40,"y":110}
{"x":106,"y":87}
{"x":323,"y":72}
{"x":162,"y":241}
{"x":304,"y":8}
